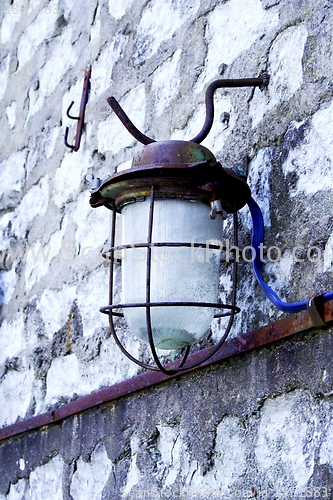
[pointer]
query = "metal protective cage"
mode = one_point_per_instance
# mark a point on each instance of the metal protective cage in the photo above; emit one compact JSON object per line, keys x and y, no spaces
{"x":111,"y":309}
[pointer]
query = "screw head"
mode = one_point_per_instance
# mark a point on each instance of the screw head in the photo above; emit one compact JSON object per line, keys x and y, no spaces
{"x":222,"y":68}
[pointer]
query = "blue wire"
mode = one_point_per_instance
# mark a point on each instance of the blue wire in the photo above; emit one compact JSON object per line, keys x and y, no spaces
{"x":257,"y":239}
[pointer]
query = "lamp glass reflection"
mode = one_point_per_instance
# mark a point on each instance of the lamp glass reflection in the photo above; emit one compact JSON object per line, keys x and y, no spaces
{"x":178,"y":274}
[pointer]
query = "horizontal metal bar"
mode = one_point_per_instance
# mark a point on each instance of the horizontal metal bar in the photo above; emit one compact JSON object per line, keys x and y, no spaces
{"x":294,"y":323}
{"x":106,"y":309}
{"x":171,"y":244}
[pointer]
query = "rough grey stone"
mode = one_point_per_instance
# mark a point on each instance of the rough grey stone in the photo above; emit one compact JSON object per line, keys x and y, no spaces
{"x":227,"y":428}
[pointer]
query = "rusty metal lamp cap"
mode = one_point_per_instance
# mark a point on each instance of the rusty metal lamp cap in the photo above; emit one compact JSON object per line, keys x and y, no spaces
{"x":177,"y":169}
{"x":173,"y":153}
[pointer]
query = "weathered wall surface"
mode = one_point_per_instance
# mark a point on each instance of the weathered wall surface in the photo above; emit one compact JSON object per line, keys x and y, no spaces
{"x":251,"y":426}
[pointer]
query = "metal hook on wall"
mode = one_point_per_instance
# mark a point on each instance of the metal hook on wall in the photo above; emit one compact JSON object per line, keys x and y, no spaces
{"x":80,"y":118}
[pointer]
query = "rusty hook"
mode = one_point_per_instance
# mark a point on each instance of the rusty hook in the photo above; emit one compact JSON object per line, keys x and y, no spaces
{"x":80,"y":118}
{"x":68,"y":110}
{"x":66,"y":140}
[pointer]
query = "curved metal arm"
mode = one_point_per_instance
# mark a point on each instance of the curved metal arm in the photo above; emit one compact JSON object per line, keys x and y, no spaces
{"x":139,"y":136}
{"x":260,"y":82}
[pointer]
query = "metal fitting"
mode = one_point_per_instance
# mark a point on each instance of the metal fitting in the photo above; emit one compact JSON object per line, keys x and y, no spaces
{"x":94,"y":183}
{"x":225,"y":118}
{"x":216,"y":208}
{"x":222,"y":68}
{"x":264,"y":85}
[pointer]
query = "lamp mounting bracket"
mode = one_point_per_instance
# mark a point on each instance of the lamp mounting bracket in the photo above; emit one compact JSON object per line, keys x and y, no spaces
{"x":313,"y":306}
{"x":261,"y":82}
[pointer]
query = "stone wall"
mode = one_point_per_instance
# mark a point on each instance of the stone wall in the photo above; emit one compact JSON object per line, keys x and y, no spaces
{"x":259,"y":425}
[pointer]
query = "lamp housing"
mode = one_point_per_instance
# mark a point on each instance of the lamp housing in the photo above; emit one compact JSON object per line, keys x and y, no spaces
{"x":173,"y":201}
{"x":174,"y":190}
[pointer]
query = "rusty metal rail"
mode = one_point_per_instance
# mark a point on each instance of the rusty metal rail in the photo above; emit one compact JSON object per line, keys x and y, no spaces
{"x":295,"y":323}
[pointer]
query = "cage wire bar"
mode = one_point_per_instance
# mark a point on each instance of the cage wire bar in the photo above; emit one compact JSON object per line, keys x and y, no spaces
{"x":110,"y":309}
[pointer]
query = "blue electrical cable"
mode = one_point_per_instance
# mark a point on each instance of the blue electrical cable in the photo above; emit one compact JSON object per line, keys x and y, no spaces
{"x":257,"y":240}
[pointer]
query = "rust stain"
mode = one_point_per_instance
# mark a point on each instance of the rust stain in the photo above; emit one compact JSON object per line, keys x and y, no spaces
{"x":68,"y":337}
